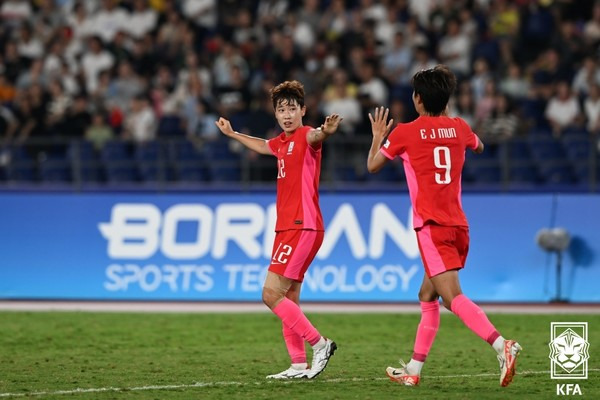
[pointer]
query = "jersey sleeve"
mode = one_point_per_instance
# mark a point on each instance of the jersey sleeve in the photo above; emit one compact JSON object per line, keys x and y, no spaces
{"x":393,"y":145}
{"x":273,"y":145}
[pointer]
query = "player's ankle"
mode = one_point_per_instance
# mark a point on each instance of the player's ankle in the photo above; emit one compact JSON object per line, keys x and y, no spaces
{"x":320,"y":344}
{"x":300,"y":366}
{"x":498,"y":345}
{"x":414,"y":367}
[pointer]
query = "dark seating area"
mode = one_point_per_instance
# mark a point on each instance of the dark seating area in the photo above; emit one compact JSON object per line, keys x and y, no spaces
{"x":535,"y":162}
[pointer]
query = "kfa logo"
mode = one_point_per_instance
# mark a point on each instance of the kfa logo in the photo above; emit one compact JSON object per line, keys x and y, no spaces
{"x":569,"y":350}
{"x":290,"y":148}
{"x":569,"y":354}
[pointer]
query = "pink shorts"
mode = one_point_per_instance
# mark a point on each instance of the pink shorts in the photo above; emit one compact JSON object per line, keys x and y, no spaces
{"x":293,"y":251}
{"x":443,"y":248}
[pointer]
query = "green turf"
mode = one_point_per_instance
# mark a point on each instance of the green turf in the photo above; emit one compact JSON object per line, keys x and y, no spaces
{"x":48,"y":352}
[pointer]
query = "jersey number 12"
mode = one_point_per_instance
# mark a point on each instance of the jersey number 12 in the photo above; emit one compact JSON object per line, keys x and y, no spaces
{"x":280,"y":168}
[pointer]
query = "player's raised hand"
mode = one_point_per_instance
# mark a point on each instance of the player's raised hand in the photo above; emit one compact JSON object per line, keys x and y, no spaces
{"x":379,"y":127}
{"x":331,"y":124}
{"x":225,"y":126}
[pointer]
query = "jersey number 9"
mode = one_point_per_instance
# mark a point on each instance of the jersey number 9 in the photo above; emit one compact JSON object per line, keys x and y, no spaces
{"x":442,"y":161}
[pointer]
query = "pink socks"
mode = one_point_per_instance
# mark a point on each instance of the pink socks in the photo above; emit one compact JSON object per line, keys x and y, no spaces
{"x":474,"y":318}
{"x":427,"y":329}
{"x":295,"y":345}
{"x":292,"y":316}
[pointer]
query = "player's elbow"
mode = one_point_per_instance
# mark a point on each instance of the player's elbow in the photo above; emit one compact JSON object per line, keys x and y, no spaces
{"x":479,"y":148}
{"x":372,"y":168}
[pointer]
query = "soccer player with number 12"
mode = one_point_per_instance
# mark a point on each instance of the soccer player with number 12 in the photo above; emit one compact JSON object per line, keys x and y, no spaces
{"x":299,"y":228}
{"x":432,"y":149}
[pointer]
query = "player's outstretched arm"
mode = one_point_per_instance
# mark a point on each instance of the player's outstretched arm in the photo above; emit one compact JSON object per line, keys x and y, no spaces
{"x":253,"y":143}
{"x":328,"y":128}
{"x":480,"y":146}
{"x":380,"y":129}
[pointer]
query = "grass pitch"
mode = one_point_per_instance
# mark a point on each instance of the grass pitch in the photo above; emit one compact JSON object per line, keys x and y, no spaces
{"x":71,"y":355}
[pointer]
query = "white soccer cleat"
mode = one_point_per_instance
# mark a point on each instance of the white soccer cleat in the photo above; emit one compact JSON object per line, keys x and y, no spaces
{"x":508,"y":361}
{"x":291,"y":373}
{"x":321,"y":358}
{"x":401,"y":375}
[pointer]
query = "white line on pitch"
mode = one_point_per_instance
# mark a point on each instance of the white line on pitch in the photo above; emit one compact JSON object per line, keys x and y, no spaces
{"x":213,"y":384}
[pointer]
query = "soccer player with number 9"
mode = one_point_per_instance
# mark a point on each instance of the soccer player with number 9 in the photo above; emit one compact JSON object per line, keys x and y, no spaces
{"x":432,"y":149}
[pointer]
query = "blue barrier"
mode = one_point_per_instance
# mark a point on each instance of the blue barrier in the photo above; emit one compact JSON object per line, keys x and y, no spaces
{"x":217,"y":246}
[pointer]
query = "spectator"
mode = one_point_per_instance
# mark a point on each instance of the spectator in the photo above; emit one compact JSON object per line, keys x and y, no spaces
{"x":334,"y":21}
{"x":94,"y":61}
{"x":502,"y":124}
{"x":301,"y":33}
{"x":203,"y":13}
{"x":371,"y":84}
{"x":29,"y":46}
{"x":168,"y":38}
{"x":422,"y":60}
{"x":591,"y":29}
{"x":8,"y":126}
{"x":80,"y":23}
{"x":125,"y":86}
{"x":59,"y":103}
{"x":586,"y":76}
{"x":140,"y":123}
{"x":33,"y":76}
{"x":454,"y":49}
{"x":563,"y":109}
{"x":397,"y":61}
{"x":414,"y":35}
{"x":109,"y":20}
{"x":52,"y":62}
{"x":99,"y":132}
{"x":235,"y":97}
{"x":194,"y":67}
{"x":465,"y":106}
{"x":341,"y":99}
{"x":246,"y":29}
{"x":514,"y":84}
{"x":228,"y":58}
{"x":201,"y":127}
{"x":480,"y":78}
{"x":13,"y":12}
{"x":487,"y":103}
{"x":287,"y":58}
{"x":13,"y":63}
{"x":142,"y":20}
{"x":77,"y":120}
{"x":591,"y":106}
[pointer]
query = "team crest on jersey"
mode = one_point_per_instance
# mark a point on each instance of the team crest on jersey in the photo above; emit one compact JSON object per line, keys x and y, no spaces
{"x":387,"y":144}
{"x":290,"y":148}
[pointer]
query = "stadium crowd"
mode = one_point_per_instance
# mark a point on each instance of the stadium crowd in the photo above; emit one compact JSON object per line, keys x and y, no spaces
{"x":142,"y":70}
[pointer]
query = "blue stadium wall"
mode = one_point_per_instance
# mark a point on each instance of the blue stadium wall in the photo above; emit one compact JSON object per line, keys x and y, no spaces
{"x":215,"y":247}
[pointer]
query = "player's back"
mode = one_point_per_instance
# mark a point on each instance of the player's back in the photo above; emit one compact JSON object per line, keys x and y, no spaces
{"x":433,"y":152}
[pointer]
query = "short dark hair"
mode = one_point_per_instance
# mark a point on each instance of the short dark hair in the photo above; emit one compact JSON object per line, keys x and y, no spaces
{"x":288,"y":91}
{"x":434,"y":86}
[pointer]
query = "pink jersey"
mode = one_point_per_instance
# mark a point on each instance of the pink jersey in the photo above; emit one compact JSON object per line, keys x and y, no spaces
{"x":298,"y":172}
{"x":433,"y":153}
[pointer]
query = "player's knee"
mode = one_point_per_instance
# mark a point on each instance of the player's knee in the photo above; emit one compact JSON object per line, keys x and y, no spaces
{"x":271,"y":297}
{"x":427,"y":296}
